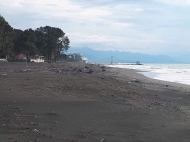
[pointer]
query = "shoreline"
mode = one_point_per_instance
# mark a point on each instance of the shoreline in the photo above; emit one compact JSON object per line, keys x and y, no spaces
{"x":177,"y":84}
{"x":85,"y":102}
{"x":136,"y":74}
{"x":153,"y":76}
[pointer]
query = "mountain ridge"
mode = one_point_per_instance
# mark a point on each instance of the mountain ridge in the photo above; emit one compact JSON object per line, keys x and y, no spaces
{"x":100,"y":56}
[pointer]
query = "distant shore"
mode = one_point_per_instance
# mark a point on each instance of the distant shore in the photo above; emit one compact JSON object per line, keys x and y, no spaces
{"x":86,"y":102}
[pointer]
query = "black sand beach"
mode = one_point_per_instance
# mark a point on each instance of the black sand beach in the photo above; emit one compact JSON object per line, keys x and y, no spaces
{"x":77,"y":102}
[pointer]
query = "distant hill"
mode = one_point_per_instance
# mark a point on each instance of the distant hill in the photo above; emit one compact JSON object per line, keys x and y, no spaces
{"x":185,"y":57}
{"x":99,"y":56}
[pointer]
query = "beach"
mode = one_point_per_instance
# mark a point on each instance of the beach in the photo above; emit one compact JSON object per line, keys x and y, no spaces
{"x":78,"y":102}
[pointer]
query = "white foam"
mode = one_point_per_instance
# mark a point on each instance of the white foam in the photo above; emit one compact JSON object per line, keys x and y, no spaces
{"x":179,"y":73}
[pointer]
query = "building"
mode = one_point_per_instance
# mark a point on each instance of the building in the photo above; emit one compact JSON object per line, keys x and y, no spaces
{"x":20,"y":57}
{"x":37,"y":59}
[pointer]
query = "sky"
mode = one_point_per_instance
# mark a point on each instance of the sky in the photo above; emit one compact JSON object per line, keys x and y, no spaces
{"x":144,"y":26}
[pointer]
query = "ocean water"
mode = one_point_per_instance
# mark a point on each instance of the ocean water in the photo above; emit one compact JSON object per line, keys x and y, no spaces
{"x":179,"y":73}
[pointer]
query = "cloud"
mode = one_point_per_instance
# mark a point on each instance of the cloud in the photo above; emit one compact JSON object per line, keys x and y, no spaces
{"x":126,"y":25}
{"x":185,"y":3}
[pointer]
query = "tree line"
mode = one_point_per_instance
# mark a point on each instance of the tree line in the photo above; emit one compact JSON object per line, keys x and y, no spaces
{"x":44,"y":41}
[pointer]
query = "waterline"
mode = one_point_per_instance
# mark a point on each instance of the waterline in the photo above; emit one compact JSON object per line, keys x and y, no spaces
{"x":179,"y":73}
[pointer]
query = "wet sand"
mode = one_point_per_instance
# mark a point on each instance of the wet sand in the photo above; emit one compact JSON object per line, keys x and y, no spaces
{"x":77,"y":102}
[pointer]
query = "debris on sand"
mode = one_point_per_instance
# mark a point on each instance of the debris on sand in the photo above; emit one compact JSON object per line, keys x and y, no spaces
{"x":58,"y":71}
{"x":3,"y":125}
{"x":134,"y":81}
{"x":103,"y":140}
{"x":90,"y":71}
{"x":86,"y":67}
{"x":53,"y":113}
{"x":25,"y":70}
{"x":36,"y":130}
{"x":3,"y":74}
{"x":79,"y":70}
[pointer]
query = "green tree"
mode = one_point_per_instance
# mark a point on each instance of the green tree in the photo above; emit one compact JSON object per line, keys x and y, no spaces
{"x":47,"y":41}
{"x":63,"y":43}
{"x":29,"y":38}
{"x":6,"y":38}
{"x":41,"y":42}
{"x":51,"y":40}
{"x":25,"y":42}
{"x":18,"y":41}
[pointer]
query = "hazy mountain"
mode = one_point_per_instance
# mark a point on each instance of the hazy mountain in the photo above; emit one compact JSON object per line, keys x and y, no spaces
{"x":99,"y":56}
{"x":185,"y":57}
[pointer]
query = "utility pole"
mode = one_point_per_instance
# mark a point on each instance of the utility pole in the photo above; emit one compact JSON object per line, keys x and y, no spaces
{"x":111,"y":59}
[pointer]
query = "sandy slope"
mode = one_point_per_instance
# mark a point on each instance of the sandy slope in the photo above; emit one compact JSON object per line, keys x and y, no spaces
{"x":66,"y":102}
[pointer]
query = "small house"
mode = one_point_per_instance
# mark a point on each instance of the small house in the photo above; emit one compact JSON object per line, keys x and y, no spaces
{"x":37,"y":59}
{"x":20,"y":57}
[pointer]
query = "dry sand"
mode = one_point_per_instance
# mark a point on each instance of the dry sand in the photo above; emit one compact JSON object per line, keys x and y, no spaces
{"x":67,"y":102}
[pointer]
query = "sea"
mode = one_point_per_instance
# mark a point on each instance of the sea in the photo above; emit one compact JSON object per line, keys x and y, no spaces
{"x":178,"y":73}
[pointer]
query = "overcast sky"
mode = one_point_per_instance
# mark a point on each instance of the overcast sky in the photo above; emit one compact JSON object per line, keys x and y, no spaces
{"x":145,"y":26}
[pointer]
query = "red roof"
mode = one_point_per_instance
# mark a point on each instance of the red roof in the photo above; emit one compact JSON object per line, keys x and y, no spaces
{"x":20,"y":56}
